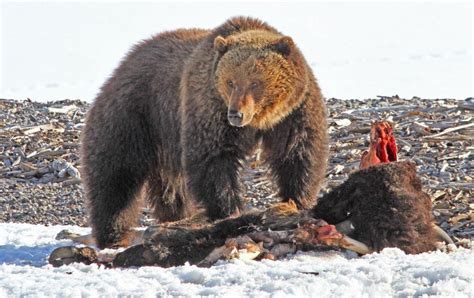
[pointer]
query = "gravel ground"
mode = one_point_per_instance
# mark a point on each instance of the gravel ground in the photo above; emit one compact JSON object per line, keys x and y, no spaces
{"x":39,"y":157}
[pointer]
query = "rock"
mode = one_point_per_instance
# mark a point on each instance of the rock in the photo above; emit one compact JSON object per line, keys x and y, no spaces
{"x":69,"y":254}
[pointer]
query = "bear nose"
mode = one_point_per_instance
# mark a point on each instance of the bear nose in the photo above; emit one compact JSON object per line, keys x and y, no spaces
{"x":234,"y":114}
{"x":235,"y":117}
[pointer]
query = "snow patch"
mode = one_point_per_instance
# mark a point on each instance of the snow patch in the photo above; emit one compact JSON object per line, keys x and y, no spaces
{"x":24,"y":271}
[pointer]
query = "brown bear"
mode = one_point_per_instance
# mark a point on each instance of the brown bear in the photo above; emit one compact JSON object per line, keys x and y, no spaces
{"x":181,"y":112}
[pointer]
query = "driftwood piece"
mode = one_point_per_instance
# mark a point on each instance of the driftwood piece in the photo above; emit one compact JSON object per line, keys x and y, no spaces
{"x":63,"y":110}
{"x":452,"y":129}
{"x":381,"y":109}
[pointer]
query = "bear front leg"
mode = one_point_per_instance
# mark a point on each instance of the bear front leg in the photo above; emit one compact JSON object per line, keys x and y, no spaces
{"x":297,"y":152}
{"x":213,"y":180}
{"x":212,"y":155}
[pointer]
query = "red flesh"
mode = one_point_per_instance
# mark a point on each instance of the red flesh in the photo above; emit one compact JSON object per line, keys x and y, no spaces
{"x":382,"y":148}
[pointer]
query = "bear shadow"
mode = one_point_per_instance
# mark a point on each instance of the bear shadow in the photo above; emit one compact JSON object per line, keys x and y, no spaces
{"x":35,"y":256}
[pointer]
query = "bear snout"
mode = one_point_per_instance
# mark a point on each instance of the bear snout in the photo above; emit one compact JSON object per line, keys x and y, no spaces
{"x":235,"y":117}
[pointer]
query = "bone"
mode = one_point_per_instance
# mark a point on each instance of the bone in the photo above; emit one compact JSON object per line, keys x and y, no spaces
{"x":354,"y":245}
{"x":224,"y":251}
{"x":442,"y":235}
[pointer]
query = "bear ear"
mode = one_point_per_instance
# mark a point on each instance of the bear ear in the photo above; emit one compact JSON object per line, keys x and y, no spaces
{"x":220,"y":44}
{"x":283,"y":45}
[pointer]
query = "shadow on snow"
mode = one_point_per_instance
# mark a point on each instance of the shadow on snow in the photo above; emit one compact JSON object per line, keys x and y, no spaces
{"x":26,"y":255}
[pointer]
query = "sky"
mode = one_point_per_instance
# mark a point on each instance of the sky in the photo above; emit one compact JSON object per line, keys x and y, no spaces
{"x":57,"y":50}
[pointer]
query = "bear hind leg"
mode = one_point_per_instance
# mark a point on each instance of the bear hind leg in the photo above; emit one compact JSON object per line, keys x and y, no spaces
{"x":114,"y":206}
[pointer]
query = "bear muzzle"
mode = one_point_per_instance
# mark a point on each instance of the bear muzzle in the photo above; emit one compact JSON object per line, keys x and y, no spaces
{"x":241,"y":110}
{"x":235,"y":117}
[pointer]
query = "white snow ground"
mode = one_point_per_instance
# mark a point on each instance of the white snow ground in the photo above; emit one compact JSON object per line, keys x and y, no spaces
{"x":56,"y":50}
{"x":24,"y":272}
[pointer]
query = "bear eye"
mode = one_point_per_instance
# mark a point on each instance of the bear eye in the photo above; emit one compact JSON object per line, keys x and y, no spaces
{"x":254,"y":85}
{"x":230,"y":84}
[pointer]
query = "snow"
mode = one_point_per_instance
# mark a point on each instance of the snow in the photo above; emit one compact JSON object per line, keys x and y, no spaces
{"x":24,"y":272}
{"x":56,"y":50}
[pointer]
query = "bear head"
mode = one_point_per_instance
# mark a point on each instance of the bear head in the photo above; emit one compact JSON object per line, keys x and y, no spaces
{"x":261,"y":77}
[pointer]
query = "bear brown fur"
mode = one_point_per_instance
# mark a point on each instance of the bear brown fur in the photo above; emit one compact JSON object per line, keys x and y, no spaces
{"x":182,"y":111}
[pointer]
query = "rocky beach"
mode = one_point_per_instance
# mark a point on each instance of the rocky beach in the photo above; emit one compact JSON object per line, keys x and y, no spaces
{"x":40,"y":167}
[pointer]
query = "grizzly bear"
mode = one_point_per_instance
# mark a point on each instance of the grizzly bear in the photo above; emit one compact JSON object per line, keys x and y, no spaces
{"x":184,"y":108}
